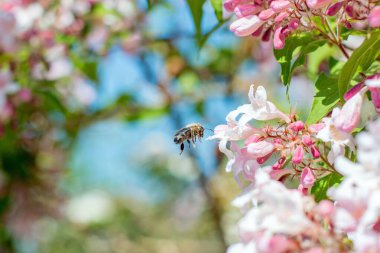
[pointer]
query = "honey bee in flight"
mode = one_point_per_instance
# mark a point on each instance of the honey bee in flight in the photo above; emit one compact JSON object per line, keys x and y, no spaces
{"x":187,"y":133}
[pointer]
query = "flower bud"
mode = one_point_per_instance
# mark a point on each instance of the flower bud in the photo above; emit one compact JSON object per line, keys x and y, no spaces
{"x":230,"y":5}
{"x":294,"y":23}
{"x":333,"y":9}
{"x":278,"y":38}
{"x":280,"y":5}
{"x":246,"y":26}
{"x":349,"y":116}
{"x":266,"y":14}
{"x":298,"y":155}
{"x":281,"y":17}
{"x":353,"y":91}
{"x":306,"y":140}
{"x":307,"y":178}
{"x":374,"y":17}
{"x":375,"y":95}
{"x":244,"y":10}
{"x":315,"y":152}
{"x":260,"y":149}
{"x":302,"y":190}
{"x":296,"y":126}
{"x":279,"y":163}
{"x":317,"y":4}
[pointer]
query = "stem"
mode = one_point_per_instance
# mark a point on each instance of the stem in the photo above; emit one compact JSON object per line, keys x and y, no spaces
{"x":329,"y":164}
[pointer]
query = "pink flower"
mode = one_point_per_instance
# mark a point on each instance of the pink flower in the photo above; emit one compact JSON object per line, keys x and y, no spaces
{"x":296,"y":126}
{"x":266,"y":14}
{"x":315,"y":152}
{"x":246,"y":25}
{"x":374,"y":17}
{"x":349,"y":116}
{"x":306,"y":140}
{"x":298,"y":154}
{"x":333,"y":9}
{"x":246,"y":10}
{"x":307,"y":178}
{"x":317,"y":4}
{"x":279,"y":38}
{"x":280,"y":5}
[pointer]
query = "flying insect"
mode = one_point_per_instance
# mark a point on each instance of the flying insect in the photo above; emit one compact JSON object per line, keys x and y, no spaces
{"x":189,"y":133}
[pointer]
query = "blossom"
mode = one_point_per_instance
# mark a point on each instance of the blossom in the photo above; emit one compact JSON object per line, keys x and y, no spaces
{"x":338,"y":139}
{"x":246,"y":25}
{"x":277,"y":219}
{"x":374,"y":17}
{"x":259,"y":108}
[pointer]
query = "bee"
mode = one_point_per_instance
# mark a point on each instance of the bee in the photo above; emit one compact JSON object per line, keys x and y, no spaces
{"x":187,"y":133}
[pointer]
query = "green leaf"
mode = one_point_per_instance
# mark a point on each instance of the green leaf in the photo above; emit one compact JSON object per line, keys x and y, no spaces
{"x":299,"y":44}
{"x":320,"y":187}
{"x":326,"y":97}
{"x":360,"y":60}
{"x":218,"y":9}
{"x":196,"y":9}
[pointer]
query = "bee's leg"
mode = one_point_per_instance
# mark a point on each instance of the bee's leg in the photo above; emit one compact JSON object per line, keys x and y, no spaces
{"x":182,"y":148}
{"x":188,"y":142}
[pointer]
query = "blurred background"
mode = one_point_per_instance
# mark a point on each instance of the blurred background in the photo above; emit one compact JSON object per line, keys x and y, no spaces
{"x":88,"y":163}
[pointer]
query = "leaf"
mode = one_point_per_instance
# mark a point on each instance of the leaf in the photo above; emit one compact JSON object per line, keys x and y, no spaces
{"x":196,"y":9}
{"x":296,"y":44}
{"x":326,"y":97}
{"x":218,"y":9}
{"x":320,"y":187}
{"x":360,"y":60}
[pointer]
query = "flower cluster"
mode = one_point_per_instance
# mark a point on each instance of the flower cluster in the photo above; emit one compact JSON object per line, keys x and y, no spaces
{"x":291,"y":147}
{"x":283,"y":17}
{"x":357,"y":197}
{"x":280,"y":220}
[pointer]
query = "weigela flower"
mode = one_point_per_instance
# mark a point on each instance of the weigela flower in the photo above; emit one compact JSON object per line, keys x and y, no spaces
{"x":357,"y":196}
{"x":289,"y":147}
{"x":278,"y":220}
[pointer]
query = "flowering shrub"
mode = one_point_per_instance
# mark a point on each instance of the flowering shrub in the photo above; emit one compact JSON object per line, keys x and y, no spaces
{"x":309,"y":185}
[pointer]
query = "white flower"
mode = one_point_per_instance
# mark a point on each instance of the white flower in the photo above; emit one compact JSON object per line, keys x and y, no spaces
{"x":339,"y":139}
{"x":259,"y":108}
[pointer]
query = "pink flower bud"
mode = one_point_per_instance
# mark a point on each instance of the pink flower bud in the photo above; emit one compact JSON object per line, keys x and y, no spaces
{"x":267,"y":34}
{"x":260,"y":149}
{"x":246,"y":10}
{"x":263,"y":159}
{"x":374,"y":17}
{"x":277,"y":141}
{"x":298,"y":155}
{"x":279,"y":163}
{"x":353,"y":91}
{"x":296,"y":126}
{"x":278,"y":38}
{"x":281,"y":17}
{"x":307,"y":178}
{"x":302,"y":190}
{"x":315,"y":128}
{"x":294,"y":23}
{"x":246,"y":26}
{"x":375,"y":95}
{"x":349,"y":116}
{"x":315,"y":152}
{"x":348,"y":25}
{"x":350,"y":11}
{"x":317,"y":4}
{"x":280,"y":5}
{"x":333,"y":9}
{"x":306,"y":140}
{"x":266,"y":14}
{"x":230,"y":5}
